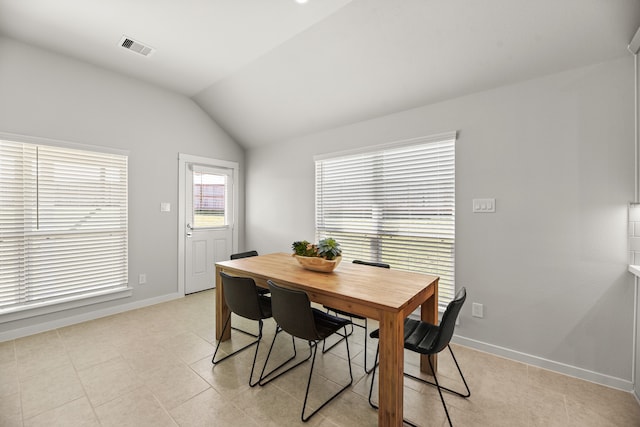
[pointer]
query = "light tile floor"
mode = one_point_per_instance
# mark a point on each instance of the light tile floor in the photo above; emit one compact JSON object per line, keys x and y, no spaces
{"x":152,"y":367}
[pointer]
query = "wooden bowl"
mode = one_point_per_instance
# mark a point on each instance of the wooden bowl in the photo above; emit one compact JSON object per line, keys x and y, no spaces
{"x":318,"y":264}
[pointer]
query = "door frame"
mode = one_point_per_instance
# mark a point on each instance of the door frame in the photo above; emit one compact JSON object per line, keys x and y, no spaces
{"x":183,"y":160}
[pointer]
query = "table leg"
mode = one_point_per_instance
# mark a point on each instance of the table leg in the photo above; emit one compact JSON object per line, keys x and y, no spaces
{"x":391,"y":369}
{"x":429,"y":313}
{"x":222,"y":310}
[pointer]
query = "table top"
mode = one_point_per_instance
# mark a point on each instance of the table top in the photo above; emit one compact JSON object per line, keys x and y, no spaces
{"x":361,"y":289}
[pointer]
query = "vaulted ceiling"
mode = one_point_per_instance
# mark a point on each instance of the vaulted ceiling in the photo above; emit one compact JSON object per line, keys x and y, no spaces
{"x":270,"y":70}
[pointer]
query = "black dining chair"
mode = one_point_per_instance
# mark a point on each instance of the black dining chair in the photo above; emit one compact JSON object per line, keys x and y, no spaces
{"x":242,"y":298}
{"x":426,"y":338}
{"x":261,"y":291}
{"x":293,"y":313}
{"x":352,"y":316}
{"x":248,"y":254}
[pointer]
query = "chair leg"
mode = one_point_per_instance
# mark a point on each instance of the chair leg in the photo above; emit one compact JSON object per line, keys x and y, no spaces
{"x":373,"y":377}
{"x":437,"y":384}
{"x":461,"y":376}
{"x":366,"y":335}
{"x":226,"y":323}
{"x":255,"y":355}
{"x":264,"y":378}
{"x":435,"y":377}
{"x":224,"y":328}
{"x":442,"y":387}
{"x":256,"y":343}
{"x":304,"y":405}
{"x":244,"y":332}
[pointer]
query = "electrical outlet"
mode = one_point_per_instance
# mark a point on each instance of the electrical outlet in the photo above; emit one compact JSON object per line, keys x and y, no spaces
{"x":477,"y":310}
{"x":142,"y":279}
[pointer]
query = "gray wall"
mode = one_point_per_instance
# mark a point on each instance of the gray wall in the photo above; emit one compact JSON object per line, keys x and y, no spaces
{"x":46,"y":95}
{"x":550,"y":266}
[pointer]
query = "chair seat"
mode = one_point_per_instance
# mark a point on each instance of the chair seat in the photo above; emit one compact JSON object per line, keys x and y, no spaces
{"x":343,"y":313}
{"x":327,"y":324}
{"x":418,"y":336}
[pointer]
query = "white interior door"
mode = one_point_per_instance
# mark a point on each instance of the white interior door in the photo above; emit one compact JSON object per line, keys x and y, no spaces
{"x":209,"y":216}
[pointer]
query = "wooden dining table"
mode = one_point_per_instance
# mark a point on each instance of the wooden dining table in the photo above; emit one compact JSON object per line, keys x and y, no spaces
{"x":387,"y":295}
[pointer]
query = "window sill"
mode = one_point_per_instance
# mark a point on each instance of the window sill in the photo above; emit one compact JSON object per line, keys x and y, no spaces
{"x":635,"y":269}
{"x":39,"y":309}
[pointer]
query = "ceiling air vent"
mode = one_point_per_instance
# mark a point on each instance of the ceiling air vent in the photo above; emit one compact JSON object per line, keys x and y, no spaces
{"x":135,"y":46}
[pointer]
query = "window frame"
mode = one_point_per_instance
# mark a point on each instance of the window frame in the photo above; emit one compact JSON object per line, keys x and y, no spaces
{"x":378,"y":209}
{"x":66,"y":302}
{"x":228,"y":214}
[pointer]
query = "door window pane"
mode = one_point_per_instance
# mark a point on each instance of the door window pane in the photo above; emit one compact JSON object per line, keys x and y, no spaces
{"x":209,"y":200}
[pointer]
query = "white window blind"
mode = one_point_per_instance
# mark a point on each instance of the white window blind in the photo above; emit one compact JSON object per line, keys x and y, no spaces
{"x":394,"y":205}
{"x":63,"y":224}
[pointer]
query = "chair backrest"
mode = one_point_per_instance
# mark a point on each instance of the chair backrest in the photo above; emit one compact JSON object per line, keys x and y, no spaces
{"x":292,"y":312}
{"x":241,"y":296}
{"x":244,"y":254}
{"x":448,"y":322}
{"x":373,"y":264}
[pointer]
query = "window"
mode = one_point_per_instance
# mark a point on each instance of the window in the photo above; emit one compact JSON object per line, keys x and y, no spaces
{"x":395,"y":204}
{"x":209,"y":198}
{"x":63,"y":224}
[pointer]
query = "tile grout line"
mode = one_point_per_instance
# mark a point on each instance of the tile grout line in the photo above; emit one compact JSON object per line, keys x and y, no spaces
{"x":166,"y":411}
{"x":15,"y":358}
{"x":75,"y":369}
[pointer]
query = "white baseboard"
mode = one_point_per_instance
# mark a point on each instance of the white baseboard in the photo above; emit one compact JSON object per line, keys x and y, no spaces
{"x":573,"y":371}
{"x":71,"y":320}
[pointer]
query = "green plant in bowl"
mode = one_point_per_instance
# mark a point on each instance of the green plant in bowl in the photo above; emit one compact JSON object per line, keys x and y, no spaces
{"x":327,"y":248}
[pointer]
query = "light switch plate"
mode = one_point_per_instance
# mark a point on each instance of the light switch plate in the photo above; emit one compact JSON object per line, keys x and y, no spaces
{"x":165,"y":207}
{"x":484,"y":205}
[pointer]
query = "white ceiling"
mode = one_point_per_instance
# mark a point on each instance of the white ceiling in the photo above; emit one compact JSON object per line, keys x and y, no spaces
{"x":197,"y":42}
{"x":270,"y":70}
